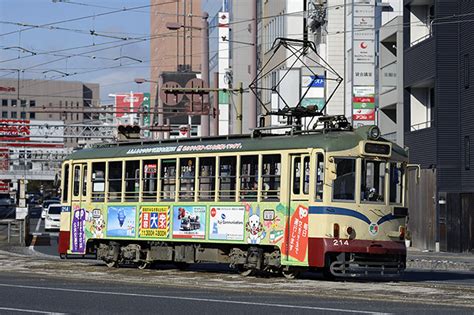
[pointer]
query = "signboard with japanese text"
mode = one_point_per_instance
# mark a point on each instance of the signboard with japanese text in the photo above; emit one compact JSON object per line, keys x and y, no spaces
{"x":154,"y":222}
{"x":227,"y":223}
{"x":125,"y":102}
{"x":14,"y":130}
{"x":189,"y":222}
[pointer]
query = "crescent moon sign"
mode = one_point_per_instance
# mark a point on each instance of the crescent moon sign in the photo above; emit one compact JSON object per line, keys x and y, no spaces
{"x":363,"y":45}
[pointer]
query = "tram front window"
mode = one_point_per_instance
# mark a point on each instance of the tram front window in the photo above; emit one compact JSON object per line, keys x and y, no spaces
{"x":344,"y":184}
{"x":396,"y":183}
{"x":373,"y":181}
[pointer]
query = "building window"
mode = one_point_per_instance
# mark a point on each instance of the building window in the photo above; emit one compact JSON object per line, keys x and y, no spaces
{"x":32,"y":103}
{"x":467,"y":153}
{"x":13,"y":103}
{"x":23,"y":103}
{"x":4,"y":102}
{"x":13,"y":115}
{"x":32,"y":115}
{"x":23,"y":115}
{"x":4,"y":114}
{"x":467,"y":73}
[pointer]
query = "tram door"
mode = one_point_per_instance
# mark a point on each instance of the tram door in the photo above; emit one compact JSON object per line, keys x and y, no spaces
{"x":297,"y":223}
{"x":79,"y":187}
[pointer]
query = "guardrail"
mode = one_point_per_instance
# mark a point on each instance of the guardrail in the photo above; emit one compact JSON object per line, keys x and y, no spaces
{"x":14,"y":232}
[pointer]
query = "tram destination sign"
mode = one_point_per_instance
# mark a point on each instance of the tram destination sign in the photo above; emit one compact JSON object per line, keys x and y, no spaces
{"x":187,"y":148}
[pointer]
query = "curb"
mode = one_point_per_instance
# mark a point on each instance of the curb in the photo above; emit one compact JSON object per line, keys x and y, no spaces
{"x":439,"y":265}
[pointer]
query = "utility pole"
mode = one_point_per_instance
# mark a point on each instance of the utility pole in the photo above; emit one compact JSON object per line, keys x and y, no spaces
{"x":252,"y":112}
{"x":240,"y":100}
{"x":215,"y":106}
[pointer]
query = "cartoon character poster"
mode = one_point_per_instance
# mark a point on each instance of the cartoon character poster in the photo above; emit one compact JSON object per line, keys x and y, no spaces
{"x":77,"y":230}
{"x":189,"y":222}
{"x":254,"y":226}
{"x":121,"y":221}
{"x":298,"y":234}
{"x":226,"y":223}
{"x":95,"y":223}
{"x":154,"y":222}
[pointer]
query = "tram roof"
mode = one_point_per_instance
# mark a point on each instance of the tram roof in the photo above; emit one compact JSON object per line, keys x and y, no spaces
{"x":329,"y":141}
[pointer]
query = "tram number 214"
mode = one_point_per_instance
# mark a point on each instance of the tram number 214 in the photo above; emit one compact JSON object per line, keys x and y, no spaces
{"x":340,"y":242}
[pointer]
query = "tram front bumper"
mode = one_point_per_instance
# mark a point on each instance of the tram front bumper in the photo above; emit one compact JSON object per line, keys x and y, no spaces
{"x":357,"y":256}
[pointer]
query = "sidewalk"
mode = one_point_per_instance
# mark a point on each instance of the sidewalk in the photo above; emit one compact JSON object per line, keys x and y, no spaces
{"x":441,"y":261}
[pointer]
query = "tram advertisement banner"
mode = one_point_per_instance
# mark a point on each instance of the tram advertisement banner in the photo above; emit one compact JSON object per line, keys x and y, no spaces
{"x":189,"y":222}
{"x":77,"y":230}
{"x":154,"y":222}
{"x":121,"y":221}
{"x":227,"y":223}
{"x":298,"y":234}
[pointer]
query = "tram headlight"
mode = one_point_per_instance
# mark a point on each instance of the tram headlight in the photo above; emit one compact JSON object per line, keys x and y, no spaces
{"x":374,"y":133}
{"x":335,"y":230}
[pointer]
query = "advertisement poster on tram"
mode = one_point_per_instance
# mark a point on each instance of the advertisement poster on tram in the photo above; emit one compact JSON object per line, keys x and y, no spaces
{"x":298,"y":234}
{"x":189,"y":222}
{"x":154,"y":222}
{"x":121,"y":221}
{"x":226,"y":223}
{"x":77,"y":230}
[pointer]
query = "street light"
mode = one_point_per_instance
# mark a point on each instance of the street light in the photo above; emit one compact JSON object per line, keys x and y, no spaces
{"x":204,"y":58}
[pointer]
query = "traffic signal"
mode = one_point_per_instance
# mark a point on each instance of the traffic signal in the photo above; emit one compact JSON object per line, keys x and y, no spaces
{"x":126,"y":132}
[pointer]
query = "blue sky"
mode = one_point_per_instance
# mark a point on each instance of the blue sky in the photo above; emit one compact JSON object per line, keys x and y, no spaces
{"x":50,"y":53}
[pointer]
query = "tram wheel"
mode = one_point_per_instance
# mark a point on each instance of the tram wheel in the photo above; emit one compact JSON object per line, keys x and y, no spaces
{"x":112,"y":264}
{"x":62,"y":256}
{"x":143,"y":265}
{"x":290,"y":273}
{"x":245,"y":272}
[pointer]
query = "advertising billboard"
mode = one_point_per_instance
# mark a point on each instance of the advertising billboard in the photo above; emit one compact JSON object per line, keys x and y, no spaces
{"x":227,"y":223}
{"x":14,"y":130}
{"x":125,"y":102}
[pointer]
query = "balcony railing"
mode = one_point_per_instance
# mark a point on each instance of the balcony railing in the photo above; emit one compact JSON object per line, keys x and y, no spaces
{"x":422,"y":125}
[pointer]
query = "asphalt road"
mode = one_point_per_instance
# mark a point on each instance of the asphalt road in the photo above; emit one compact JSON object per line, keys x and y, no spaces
{"x":45,"y":295}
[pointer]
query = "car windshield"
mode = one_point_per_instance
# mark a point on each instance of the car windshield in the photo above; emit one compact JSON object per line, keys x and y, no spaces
{"x":54,"y":210}
{"x":48,"y":202}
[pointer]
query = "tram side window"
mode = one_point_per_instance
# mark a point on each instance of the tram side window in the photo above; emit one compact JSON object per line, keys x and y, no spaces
{"x":207,"y":178}
{"x":186,"y":178}
{"x":296,"y":175}
{"x":248,"y":177}
{"x":115,"y":181}
{"x":98,"y":181}
{"x":227,"y":177}
{"x":396,"y":183}
{"x":168,"y":179}
{"x":77,"y":178}
{"x":65,"y":188}
{"x":150,"y":180}
{"x":319,"y":176}
{"x":271,"y":177}
{"x":84,"y":180}
{"x":132,"y":180}
{"x":373,"y":181}
{"x":344,"y":184}
{"x":306,"y":175}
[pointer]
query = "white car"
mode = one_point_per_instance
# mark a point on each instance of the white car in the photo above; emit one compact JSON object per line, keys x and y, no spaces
{"x":52,"y":217}
{"x":46,"y":204}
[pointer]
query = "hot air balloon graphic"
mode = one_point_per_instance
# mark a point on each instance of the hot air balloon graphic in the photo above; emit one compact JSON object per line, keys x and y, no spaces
{"x":121,"y":216}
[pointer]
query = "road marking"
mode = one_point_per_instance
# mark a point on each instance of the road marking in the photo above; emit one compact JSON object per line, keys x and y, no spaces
{"x":24,"y":310}
{"x":38,"y":225}
{"x":301,"y":307}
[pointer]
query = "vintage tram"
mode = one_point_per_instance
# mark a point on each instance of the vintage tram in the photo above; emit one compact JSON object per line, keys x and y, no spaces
{"x":331,"y":199}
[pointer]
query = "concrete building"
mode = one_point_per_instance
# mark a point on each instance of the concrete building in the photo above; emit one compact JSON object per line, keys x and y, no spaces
{"x":390,"y":113}
{"x":173,"y":50}
{"x":219,"y":66}
{"x":438,"y":125}
{"x":240,"y":52}
{"x":34,"y":117}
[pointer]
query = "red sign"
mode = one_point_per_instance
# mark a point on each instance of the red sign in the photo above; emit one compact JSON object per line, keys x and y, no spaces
{"x":364,"y":116}
{"x":356,"y":99}
{"x":4,"y":186}
{"x":13,"y":129}
{"x":298,"y":234}
{"x":7,"y":89}
{"x":4,"y":155}
{"x":124,"y":102}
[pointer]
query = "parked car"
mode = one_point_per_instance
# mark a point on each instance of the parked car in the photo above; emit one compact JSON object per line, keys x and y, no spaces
{"x":7,"y":207}
{"x":46,"y":204}
{"x":52,"y":217}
